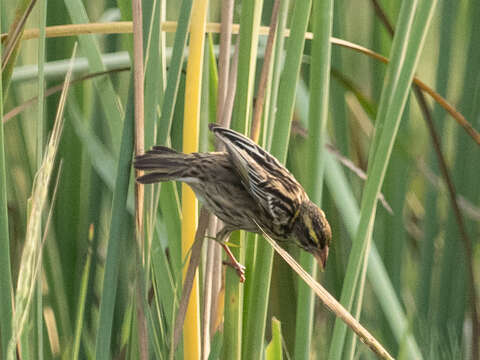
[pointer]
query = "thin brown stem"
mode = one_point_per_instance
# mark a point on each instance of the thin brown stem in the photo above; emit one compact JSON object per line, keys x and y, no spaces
{"x":262,"y":86}
{"x":210,"y":291}
{"x":195,"y":257}
{"x":138,"y":82}
{"x":15,"y":35}
{"x":227,"y":110}
{"x":383,"y":17}
{"x":138,"y":78}
{"x":125,"y":27}
{"x":57,"y":88}
{"x":224,"y":57}
{"x":213,"y":273}
{"x":331,"y":303}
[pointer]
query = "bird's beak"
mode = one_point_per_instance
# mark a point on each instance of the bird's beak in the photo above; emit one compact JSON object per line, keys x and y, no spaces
{"x":321,"y":256}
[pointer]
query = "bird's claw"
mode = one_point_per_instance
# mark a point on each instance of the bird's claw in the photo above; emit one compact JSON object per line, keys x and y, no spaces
{"x":239,"y":268}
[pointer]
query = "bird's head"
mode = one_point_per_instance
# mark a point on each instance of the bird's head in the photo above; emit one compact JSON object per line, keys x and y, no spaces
{"x":312,"y":232}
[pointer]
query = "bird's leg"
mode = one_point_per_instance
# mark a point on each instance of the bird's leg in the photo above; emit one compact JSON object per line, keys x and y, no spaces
{"x":239,"y":268}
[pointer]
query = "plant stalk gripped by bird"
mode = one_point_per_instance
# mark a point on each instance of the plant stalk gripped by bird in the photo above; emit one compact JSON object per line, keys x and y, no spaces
{"x":247,"y":188}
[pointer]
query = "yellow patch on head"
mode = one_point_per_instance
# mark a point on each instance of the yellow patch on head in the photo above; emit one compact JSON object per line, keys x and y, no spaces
{"x":308,"y":223}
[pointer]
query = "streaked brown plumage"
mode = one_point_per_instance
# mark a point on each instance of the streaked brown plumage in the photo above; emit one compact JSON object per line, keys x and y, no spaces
{"x":246,"y":188}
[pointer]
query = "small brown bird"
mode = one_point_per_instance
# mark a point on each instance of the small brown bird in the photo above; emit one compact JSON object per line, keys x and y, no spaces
{"x":247,"y":188}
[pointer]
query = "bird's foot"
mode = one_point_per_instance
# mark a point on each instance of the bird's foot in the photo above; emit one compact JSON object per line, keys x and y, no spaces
{"x":239,"y":268}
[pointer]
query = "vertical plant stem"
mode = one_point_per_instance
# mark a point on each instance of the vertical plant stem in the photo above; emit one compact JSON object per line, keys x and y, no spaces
{"x":82,"y":300}
{"x":286,"y":95}
{"x":191,"y":273}
{"x":117,"y":235}
{"x":138,"y":81}
{"x":174,"y":72}
{"x":258,"y":293}
{"x":109,"y":100}
{"x":224,"y":56}
{"x":138,"y":84}
{"x":276,"y":70}
{"x":39,"y":154}
{"x":41,"y":83}
{"x":382,"y":286}
{"x":363,"y":235}
{"x":226,"y":94}
{"x":243,"y":67}
{"x":6,"y":289}
{"x":191,"y":335}
{"x":467,"y":243}
{"x":213,"y":266}
{"x":262,"y":86}
{"x":431,"y":222}
{"x":318,"y":113}
{"x":248,"y":43}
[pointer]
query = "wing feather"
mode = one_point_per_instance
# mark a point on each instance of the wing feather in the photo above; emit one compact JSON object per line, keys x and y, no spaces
{"x":264,"y":177}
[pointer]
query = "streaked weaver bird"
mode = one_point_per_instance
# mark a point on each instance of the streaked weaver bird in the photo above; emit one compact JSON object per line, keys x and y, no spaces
{"x":247,"y":188}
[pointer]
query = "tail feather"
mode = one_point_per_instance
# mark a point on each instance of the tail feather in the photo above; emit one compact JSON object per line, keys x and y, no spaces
{"x":166,"y":164}
{"x":155,"y":177}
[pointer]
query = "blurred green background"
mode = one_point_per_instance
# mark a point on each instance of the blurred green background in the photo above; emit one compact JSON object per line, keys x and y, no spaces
{"x":418,"y":298}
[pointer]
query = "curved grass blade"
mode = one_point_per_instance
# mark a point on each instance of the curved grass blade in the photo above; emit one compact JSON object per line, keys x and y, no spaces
{"x":405,"y":53}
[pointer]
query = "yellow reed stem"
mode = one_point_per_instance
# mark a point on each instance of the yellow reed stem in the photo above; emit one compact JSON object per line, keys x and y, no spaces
{"x":191,"y":330}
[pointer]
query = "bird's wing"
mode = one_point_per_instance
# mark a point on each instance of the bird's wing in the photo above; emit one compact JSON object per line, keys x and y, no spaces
{"x":264,"y":177}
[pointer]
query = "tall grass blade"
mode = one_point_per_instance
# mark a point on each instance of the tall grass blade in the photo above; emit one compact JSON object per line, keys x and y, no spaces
{"x":174,"y":72}
{"x":191,"y":121}
{"x":82,"y":301}
{"x":345,"y":201}
{"x":260,"y":281}
{"x":276,"y":71}
{"x":38,"y":309}
{"x":406,"y":48}
{"x":111,"y":106}
{"x":154,"y":67}
{"x":235,"y":316}
{"x":117,"y":235}
{"x":382,"y":286}
{"x":322,"y":17}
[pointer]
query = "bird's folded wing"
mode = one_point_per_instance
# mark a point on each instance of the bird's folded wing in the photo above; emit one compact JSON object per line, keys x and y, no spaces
{"x":261,"y":175}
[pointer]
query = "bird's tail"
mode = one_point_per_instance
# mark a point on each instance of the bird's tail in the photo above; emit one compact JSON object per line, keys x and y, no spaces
{"x":164,"y":164}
